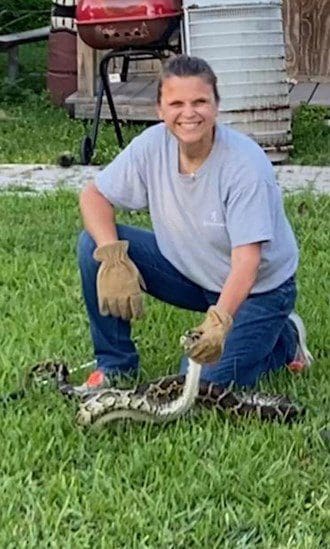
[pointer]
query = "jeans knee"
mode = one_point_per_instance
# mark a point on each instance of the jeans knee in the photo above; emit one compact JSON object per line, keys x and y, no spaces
{"x":85,"y":249}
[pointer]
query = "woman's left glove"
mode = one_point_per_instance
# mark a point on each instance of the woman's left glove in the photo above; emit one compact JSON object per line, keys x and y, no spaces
{"x":118,"y":282}
{"x":205,"y":343}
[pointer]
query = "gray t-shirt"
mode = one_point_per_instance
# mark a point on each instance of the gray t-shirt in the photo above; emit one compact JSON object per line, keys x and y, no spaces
{"x":233,"y":199}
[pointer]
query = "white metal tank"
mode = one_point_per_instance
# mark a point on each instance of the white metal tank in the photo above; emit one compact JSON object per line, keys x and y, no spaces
{"x":244,"y":44}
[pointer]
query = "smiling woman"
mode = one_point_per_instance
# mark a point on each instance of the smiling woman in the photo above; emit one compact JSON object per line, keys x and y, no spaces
{"x":221,"y":242}
{"x":188,"y":102}
{"x":189,"y":110}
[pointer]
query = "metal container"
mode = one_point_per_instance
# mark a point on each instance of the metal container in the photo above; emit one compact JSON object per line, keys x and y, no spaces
{"x":61,"y":65}
{"x":62,"y":52}
{"x":63,"y":13}
{"x":244,"y":44}
{"x":113,"y":24}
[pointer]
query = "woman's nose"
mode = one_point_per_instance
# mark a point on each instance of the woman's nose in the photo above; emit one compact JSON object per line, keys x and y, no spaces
{"x":188,"y":110}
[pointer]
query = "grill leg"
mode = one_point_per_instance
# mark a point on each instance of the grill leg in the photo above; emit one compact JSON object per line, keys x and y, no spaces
{"x":105,"y":86}
{"x":124,"y":70}
{"x":88,"y":143}
{"x":105,"y":79}
{"x":97,"y":113}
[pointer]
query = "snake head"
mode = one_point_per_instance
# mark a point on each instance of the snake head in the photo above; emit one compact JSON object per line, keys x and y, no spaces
{"x":44,"y":372}
{"x":189,"y":339}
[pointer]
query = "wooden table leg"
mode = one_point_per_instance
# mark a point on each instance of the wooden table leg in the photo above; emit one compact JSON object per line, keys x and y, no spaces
{"x":13,"y":63}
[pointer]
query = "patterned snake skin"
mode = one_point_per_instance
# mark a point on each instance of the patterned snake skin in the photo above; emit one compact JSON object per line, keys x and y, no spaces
{"x":157,"y":401}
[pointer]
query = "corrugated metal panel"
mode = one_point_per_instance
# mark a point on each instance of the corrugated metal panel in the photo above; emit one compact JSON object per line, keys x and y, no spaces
{"x":244,"y":44}
{"x":266,"y":126}
{"x":227,"y":3}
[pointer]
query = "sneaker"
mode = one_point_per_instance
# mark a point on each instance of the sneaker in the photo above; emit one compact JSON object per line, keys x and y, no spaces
{"x":96,"y":381}
{"x":303,"y":358}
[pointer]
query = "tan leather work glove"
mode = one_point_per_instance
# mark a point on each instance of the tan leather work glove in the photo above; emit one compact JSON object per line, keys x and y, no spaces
{"x":206,"y":342}
{"x":118,"y":282}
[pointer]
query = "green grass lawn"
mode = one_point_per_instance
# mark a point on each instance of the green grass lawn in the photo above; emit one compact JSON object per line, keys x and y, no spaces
{"x":211,"y":481}
{"x":35,"y":131}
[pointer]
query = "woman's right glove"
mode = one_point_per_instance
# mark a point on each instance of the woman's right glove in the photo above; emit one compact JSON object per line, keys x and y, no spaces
{"x":205,"y":343}
{"x":118,"y":282}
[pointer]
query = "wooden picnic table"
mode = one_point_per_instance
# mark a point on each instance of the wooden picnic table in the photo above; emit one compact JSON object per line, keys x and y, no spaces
{"x":9,"y":43}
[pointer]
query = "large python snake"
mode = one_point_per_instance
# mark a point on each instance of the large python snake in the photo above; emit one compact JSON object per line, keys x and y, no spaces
{"x":164,"y":399}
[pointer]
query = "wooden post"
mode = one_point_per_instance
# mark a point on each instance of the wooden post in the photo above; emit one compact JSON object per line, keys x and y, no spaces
{"x":307,"y":39}
{"x":86,"y":58}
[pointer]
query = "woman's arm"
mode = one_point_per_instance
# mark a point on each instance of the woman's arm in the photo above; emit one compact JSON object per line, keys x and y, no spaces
{"x":245,"y":261}
{"x":98,"y":216}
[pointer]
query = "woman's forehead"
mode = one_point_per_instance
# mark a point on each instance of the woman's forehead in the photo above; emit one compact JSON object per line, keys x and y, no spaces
{"x":175,"y":85}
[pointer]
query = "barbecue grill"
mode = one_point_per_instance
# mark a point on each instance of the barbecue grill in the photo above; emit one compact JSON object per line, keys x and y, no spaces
{"x":132,"y":29}
{"x":112,"y":24}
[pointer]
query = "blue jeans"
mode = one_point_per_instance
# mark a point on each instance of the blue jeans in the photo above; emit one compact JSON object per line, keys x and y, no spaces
{"x":262,"y":338}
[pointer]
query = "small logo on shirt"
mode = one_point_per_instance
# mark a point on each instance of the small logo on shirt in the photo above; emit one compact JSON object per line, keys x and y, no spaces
{"x":213,"y":220}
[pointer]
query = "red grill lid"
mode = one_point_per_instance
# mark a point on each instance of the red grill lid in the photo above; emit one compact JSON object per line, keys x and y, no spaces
{"x":89,"y":12}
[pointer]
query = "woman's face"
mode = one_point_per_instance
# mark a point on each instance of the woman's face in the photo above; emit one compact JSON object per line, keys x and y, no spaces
{"x":188,"y":108}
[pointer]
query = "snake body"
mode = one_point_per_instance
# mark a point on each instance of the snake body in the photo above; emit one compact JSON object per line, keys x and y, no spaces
{"x":164,"y":399}
{"x":110,"y":404}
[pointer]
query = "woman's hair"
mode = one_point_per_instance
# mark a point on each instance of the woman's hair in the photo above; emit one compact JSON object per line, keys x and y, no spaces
{"x":182,"y":66}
